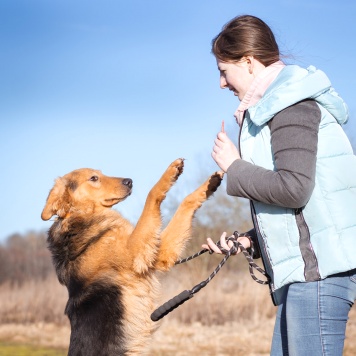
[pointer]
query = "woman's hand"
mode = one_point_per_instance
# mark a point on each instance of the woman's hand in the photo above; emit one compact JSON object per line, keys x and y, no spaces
{"x":245,"y":241}
{"x":224,"y":151}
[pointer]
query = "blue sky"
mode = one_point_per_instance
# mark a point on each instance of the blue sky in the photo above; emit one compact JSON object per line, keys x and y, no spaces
{"x":128,"y":86}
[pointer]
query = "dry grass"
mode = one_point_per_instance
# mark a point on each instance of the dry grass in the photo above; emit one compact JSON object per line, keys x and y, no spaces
{"x":33,"y":302}
{"x":231,"y":316}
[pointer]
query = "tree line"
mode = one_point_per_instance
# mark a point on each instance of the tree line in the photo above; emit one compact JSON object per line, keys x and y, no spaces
{"x":25,"y":257}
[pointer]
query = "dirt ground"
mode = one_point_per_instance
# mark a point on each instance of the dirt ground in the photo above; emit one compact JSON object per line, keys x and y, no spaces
{"x":174,"y":338}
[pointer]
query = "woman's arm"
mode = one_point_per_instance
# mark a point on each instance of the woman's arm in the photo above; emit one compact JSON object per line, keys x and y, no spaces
{"x":294,"y":140}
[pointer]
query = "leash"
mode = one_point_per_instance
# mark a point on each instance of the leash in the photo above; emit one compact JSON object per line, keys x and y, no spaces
{"x":178,"y":300}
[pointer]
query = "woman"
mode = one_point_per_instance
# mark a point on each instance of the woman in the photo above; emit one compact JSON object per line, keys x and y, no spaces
{"x":296,"y":166}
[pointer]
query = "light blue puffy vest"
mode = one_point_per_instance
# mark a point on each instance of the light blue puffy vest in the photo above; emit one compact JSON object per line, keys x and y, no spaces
{"x":330,"y":214}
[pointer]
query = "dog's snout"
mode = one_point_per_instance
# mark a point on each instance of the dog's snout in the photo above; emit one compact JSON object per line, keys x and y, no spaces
{"x":127,"y":182}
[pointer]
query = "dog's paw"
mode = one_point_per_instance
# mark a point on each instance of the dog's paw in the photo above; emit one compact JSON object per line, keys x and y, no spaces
{"x":169,"y":177}
{"x":176,"y":168}
{"x":214,"y":182}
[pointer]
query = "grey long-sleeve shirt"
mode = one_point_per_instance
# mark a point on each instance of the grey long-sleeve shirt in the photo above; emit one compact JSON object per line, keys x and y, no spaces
{"x":294,"y":140}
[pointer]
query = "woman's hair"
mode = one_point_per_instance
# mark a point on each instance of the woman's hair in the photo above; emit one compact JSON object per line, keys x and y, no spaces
{"x":246,"y":36}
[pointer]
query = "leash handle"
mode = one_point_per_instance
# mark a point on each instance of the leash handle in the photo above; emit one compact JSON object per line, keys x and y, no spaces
{"x":171,"y":305}
{"x":175,"y":302}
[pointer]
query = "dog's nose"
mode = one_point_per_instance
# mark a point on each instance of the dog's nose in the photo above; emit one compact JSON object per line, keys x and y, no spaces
{"x":127,"y":182}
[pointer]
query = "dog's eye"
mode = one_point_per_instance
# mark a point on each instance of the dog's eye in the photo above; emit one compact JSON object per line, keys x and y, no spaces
{"x":94,"y":178}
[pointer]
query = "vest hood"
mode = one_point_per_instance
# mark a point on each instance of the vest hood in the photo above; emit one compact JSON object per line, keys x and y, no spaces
{"x":294,"y":84}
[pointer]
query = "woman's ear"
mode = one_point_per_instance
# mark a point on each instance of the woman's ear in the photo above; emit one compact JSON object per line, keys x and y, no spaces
{"x":255,"y":67}
{"x":250,"y":63}
{"x":58,"y":201}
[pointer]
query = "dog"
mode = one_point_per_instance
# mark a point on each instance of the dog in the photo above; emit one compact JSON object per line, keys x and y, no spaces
{"x":110,"y":266}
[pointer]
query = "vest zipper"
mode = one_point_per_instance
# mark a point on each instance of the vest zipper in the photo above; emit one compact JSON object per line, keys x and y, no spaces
{"x":239,"y":138}
{"x":264,"y":255}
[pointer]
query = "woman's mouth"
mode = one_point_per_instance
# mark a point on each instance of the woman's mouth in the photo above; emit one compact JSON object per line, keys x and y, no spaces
{"x":234,"y":91}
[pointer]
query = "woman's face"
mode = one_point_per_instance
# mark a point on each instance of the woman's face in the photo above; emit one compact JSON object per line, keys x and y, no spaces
{"x":236,"y":76}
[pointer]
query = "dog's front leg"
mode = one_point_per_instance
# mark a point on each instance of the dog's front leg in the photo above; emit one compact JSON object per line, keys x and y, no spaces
{"x":178,"y":231}
{"x":145,"y":239}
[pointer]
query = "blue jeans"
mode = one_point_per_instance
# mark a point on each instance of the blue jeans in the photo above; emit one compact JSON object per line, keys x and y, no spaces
{"x":311,"y":321}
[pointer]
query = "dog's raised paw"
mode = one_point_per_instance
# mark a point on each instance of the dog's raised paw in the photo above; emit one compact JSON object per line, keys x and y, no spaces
{"x":215,"y":181}
{"x":176,"y":168}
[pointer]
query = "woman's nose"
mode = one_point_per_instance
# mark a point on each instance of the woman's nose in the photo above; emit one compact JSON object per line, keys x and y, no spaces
{"x":223,"y":83}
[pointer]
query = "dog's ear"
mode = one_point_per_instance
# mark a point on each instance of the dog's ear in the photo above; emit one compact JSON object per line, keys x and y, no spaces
{"x":58,"y":201}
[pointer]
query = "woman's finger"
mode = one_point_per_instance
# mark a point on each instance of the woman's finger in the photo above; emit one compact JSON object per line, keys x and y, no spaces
{"x":212,"y":246}
{"x":223,"y":242}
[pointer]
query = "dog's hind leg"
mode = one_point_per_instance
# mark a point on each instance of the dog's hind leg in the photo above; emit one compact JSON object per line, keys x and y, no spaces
{"x":178,"y":231}
{"x":145,"y":239}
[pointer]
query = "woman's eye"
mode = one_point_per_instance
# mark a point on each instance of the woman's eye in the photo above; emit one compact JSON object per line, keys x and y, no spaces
{"x":94,"y":178}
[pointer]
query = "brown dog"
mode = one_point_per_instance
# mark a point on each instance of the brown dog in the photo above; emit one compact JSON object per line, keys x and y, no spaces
{"x":108,"y":266}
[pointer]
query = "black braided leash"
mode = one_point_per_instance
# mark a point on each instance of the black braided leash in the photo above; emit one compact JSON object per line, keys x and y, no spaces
{"x":178,"y":300}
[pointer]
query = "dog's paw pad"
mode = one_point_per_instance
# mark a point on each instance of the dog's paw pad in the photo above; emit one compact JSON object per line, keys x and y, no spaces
{"x":215,"y":181}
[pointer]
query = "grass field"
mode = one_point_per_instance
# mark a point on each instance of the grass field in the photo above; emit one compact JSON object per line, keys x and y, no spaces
{"x":231,"y":316}
{"x":28,"y":350}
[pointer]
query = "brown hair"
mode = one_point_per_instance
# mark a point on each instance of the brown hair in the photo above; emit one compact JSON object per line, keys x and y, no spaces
{"x":246,"y":36}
